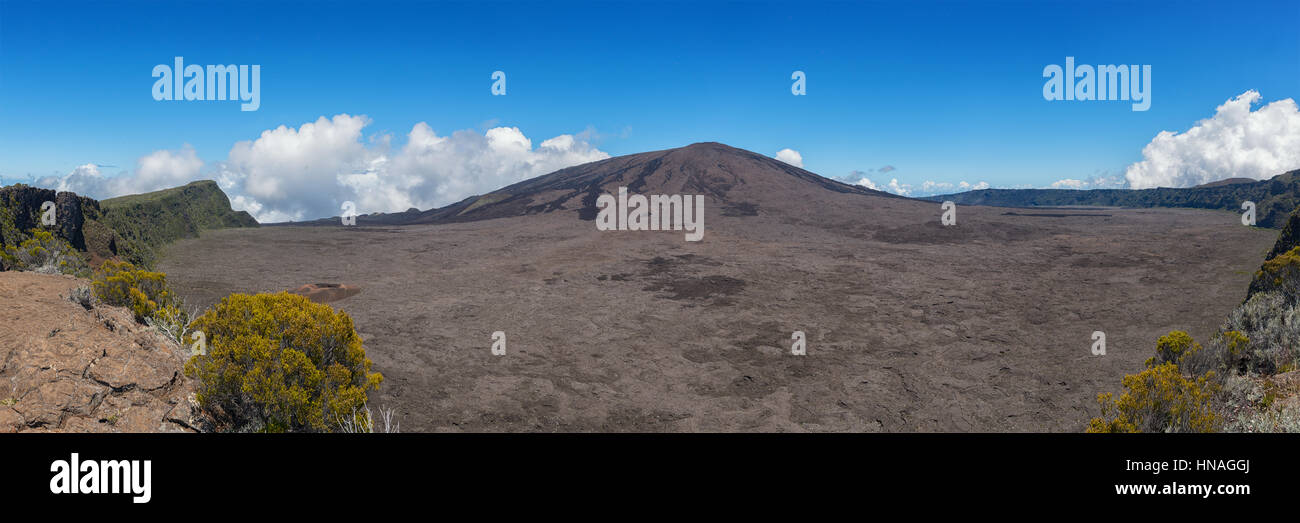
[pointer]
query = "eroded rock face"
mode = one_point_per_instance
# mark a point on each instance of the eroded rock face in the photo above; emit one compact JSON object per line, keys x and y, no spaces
{"x":69,"y":218}
{"x":20,"y":211}
{"x":64,"y":368}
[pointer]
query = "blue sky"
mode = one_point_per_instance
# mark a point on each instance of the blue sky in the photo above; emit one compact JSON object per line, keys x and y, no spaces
{"x":942,"y":91}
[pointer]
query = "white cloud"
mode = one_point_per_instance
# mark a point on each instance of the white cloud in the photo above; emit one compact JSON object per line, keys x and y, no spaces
{"x":932,"y":187}
{"x":1235,"y":143}
{"x":1102,"y":180}
{"x":157,"y":170}
{"x":897,"y":188}
{"x":293,"y":171}
{"x":163,"y":169}
{"x":437,"y":170}
{"x":307,"y":172}
{"x":1069,"y":183}
{"x":791,"y":157}
{"x":866,"y":182}
{"x":927,"y":188}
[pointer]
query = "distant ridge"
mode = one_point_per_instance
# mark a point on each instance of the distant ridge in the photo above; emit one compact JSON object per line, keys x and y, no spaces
{"x":1226,"y":181}
{"x":1274,"y":198}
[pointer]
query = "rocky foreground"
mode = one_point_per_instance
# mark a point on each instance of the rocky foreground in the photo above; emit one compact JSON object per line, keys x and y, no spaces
{"x":68,"y":368}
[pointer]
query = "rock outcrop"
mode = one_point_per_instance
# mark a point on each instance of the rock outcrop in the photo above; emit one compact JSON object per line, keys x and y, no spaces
{"x":68,"y":368}
{"x":20,"y":211}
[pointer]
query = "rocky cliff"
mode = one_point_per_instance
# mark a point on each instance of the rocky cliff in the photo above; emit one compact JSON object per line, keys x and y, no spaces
{"x":130,"y":227}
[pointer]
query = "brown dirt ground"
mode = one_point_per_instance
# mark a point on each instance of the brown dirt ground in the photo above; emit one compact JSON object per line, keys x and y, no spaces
{"x":911,"y":326}
{"x":326,"y":292}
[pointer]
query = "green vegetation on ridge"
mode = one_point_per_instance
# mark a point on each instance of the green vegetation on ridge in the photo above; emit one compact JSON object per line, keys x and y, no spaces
{"x":132,"y":228}
{"x":148,"y":221}
{"x":1274,"y":198}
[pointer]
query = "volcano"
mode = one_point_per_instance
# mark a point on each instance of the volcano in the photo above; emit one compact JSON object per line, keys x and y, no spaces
{"x":734,"y":181}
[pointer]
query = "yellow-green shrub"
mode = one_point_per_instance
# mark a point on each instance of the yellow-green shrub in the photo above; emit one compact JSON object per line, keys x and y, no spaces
{"x":1160,"y":399}
{"x":1281,"y":266}
{"x":278,"y":362}
{"x":1280,"y":273}
{"x":1175,"y":345}
{"x":1235,"y":347}
{"x":122,"y":284}
{"x":1226,"y":354}
{"x":44,"y":252}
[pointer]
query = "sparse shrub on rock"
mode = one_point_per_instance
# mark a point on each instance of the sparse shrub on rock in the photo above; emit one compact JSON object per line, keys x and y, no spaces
{"x":1272,"y":325}
{"x":363,"y":422}
{"x":1280,"y":274}
{"x":44,"y":253}
{"x":172,"y":321}
{"x":122,"y":284}
{"x":1227,"y":352}
{"x":278,"y":363}
{"x":82,"y":296}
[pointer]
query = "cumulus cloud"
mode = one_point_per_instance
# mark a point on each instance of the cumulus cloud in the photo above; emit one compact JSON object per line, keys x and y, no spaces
{"x":926,"y":188}
{"x":1069,"y":183}
{"x":1092,"y":182}
{"x":1234,"y":143}
{"x":433,"y":170}
{"x":866,"y":182}
{"x":791,"y":157}
{"x":293,"y":171}
{"x":428,"y":171}
{"x":307,"y":172}
{"x":157,"y":170}
{"x":899,"y":188}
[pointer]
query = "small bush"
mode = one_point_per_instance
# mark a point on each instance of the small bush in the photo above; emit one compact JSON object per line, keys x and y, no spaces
{"x":1256,"y":312}
{"x":1226,"y":353}
{"x":1161,"y":398}
{"x":82,"y":296}
{"x":278,"y":362}
{"x":1280,"y":274}
{"x":46,"y":254}
{"x":1174,"y":346}
{"x":1287,"y":420}
{"x":122,"y":284}
{"x":1252,"y":405}
{"x":172,"y":321}
{"x":1272,"y":325}
{"x":363,"y":422}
